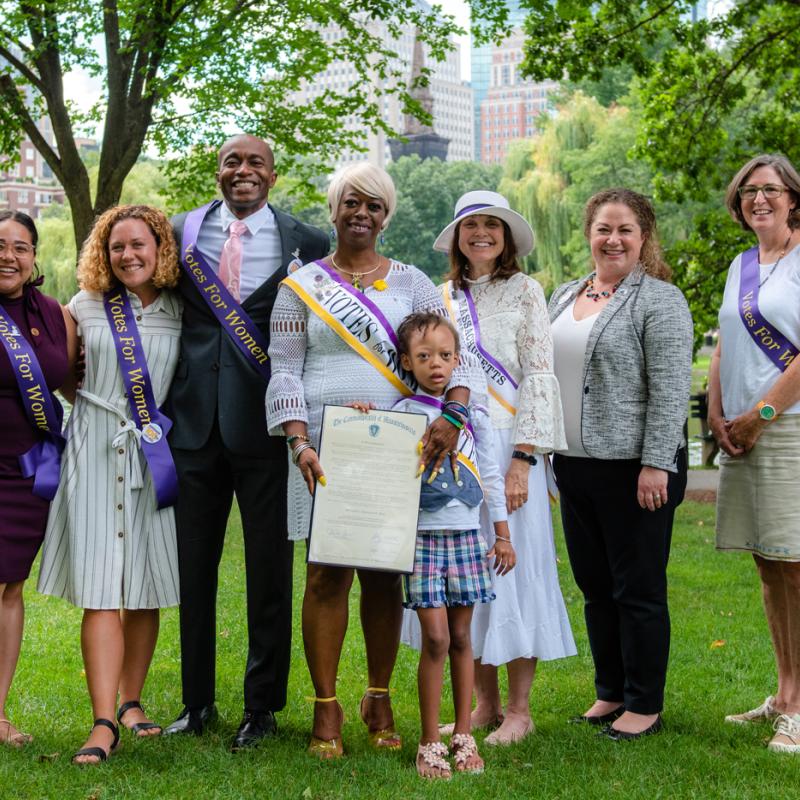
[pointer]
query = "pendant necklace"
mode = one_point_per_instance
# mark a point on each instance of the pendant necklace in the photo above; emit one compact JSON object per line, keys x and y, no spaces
{"x":355,"y":277}
{"x":593,"y":295}
{"x":775,"y":265}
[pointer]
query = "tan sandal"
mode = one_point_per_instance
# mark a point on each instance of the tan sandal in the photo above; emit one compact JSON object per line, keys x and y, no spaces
{"x":464,"y":750}
{"x":432,"y":763}
{"x":384,"y":738}
{"x":18,"y":739}
{"x":326,"y":749}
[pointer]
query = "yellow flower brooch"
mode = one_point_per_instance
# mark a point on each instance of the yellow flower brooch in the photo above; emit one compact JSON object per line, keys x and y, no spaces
{"x":379,"y":285}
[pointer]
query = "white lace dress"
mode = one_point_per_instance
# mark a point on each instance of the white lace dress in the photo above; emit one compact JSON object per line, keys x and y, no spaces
{"x":312,"y":366}
{"x":528,"y":619}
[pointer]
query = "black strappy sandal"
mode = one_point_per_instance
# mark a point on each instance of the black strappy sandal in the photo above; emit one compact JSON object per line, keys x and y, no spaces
{"x":137,"y":727}
{"x":98,"y":752}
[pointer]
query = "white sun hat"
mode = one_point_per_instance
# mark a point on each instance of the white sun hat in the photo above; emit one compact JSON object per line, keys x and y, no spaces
{"x":491,"y":204}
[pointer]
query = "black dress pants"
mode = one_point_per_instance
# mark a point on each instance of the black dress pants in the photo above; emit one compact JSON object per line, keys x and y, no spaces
{"x":619,"y":554}
{"x":207,"y":481}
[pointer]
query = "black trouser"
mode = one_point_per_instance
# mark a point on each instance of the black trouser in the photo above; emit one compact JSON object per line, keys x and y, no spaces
{"x":619,"y":554}
{"x":208,"y":479}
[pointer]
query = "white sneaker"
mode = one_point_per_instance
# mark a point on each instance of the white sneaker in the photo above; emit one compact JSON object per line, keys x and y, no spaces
{"x":765,"y":711}
{"x":787,"y":734}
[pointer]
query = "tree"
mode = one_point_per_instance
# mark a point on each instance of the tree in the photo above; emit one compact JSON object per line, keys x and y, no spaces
{"x":234,"y":63}
{"x":714,"y":92}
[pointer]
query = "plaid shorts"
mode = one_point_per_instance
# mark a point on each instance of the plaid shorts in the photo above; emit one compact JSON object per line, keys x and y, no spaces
{"x":450,"y":569}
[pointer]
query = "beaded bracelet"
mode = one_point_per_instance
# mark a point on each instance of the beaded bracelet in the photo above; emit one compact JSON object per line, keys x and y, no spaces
{"x":458,"y":408}
{"x":457,"y":423}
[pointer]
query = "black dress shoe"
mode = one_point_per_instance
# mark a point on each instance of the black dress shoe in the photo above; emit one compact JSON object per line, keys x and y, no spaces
{"x":256,"y":725}
{"x":192,"y":720}
{"x":621,"y":736}
{"x":603,"y":719}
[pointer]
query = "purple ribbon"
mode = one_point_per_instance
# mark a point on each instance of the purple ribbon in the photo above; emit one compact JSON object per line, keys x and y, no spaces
{"x":489,"y":362}
{"x":772,"y":343}
{"x":43,"y":460}
{"x":471,"y":209}
{"x":153,"y":424}
{"x":233,"y":319}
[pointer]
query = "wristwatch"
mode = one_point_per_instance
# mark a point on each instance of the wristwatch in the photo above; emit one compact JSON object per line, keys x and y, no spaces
{"x":529,"y":457}
{"x":766,"y":411}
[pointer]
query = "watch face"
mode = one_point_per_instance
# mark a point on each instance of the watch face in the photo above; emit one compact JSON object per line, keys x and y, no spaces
{"x":767,"y":412}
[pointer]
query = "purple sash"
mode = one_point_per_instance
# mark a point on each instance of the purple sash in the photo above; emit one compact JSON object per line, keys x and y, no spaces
{"x":43,"y":460}
{"x":147,"y":417}
{"x":772,"y":343}
{"x":234,"y":320}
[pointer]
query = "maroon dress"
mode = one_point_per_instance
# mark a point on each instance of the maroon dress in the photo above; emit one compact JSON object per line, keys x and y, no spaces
{"x":23,"y":515}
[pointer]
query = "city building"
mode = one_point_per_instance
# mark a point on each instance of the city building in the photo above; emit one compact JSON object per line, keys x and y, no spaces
{"x":30,"y":186}
{"x":452,"y":97}
{"x":511,"y":104}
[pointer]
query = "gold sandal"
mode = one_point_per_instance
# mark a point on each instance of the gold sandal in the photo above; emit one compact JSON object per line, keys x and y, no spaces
{"x":385,"y":738}
{"x":326,"y":749}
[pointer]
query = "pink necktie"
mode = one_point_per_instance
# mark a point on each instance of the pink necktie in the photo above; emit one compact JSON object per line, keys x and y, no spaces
{"x":230,"y":260}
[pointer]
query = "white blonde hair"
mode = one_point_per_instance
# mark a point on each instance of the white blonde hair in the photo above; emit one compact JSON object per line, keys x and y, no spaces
{"x":368,"y":180}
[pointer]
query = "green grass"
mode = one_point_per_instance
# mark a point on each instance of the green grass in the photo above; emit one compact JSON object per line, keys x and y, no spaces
{"x":714,"y":597}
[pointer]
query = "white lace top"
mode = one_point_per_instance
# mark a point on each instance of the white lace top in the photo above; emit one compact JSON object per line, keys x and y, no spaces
{"x":515,"y":329}
{"x":312,"y":366}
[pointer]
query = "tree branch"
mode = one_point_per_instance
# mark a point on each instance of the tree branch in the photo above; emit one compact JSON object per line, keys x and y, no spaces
{"x":21,"y":67}
{"x":661,"y":11}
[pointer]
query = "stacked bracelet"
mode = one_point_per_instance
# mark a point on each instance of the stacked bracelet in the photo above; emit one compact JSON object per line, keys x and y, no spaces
{"x":290,"y":440}
{"x":457,"y":409}
{"x":299,"y":449}
{"x":502,"y":538}
{"x":453,"y":421}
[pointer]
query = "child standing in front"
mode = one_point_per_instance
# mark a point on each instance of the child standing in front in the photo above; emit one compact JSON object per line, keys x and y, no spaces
{"x":451,"y":564}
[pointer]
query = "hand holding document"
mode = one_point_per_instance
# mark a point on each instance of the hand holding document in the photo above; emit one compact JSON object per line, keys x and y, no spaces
{"x":366,"y":515}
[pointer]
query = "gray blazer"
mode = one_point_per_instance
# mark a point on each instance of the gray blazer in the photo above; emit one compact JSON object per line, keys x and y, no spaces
{"x":637,"y":371}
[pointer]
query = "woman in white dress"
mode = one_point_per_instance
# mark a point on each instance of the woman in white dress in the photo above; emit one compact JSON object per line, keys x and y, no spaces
{"x":503,"y":318}
{"x":108,"y":548}
{"x":313,"y":364}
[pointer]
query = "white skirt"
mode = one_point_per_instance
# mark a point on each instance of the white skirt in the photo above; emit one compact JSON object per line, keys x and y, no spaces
{"x":528,"y":619}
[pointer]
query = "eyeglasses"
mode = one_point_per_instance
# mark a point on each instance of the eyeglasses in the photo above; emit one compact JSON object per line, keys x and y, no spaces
{"x":769,"y":190}
{"x":17,"y":248}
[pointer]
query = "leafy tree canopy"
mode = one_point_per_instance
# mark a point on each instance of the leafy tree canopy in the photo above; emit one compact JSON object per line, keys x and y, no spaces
{"x":178,"y":75}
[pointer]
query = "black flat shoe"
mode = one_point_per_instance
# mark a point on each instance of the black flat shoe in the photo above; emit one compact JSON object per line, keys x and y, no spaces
{"x":622,"y":736}
{"x":192,"y":720}
{"x":603,"y":719}
{"x":255,"y":727}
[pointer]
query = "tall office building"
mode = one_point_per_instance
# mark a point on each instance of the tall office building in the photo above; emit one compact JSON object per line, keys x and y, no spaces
{"x":512,"y":103}
{"x":452,"y":97}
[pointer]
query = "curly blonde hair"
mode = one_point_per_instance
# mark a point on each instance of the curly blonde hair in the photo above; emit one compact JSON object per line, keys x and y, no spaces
{"x":94,"y":265}
{"x":651,"y":258}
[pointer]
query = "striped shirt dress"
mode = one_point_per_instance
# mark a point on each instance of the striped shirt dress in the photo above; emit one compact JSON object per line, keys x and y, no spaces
{"x":107,"y":546}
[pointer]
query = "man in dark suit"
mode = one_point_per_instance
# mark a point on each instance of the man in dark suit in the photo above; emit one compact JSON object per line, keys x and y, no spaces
{"x":220,"y":444}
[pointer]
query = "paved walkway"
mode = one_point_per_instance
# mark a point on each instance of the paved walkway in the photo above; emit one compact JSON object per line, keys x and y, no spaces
{"x":701,"y":485}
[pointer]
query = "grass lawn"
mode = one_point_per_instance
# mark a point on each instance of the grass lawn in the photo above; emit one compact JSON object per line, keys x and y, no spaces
{"x":721,"y":662}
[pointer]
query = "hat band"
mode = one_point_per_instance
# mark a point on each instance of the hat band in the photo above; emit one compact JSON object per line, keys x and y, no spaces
{"x":471,"y":209}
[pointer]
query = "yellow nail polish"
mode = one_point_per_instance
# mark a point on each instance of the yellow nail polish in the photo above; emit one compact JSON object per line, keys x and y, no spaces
{"x":420,"y":447}
{"x":432,"y":478}
{"x":420,"y":470}
{"x":322,"y":480}
{"x":455,"y":472}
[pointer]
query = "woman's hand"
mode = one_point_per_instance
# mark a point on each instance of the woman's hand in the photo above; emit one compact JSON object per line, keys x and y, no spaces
{"x":651,"y":491}
{"x":744,"y":431}
{"x":517,"y":484}
{"x":311,"y":469}
{"x":361,"y":406}
{"x":719,"y":430}
{"x":503,"y":552}
{"x":440,"y":440}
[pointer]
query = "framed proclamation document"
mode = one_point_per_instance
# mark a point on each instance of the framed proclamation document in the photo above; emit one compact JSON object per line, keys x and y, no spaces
{"x":366,"y":515}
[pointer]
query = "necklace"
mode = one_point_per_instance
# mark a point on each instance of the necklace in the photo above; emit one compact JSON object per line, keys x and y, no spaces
{"x":593,"y":295}
{"x":355,"y":277}
{"x":775,"y":265}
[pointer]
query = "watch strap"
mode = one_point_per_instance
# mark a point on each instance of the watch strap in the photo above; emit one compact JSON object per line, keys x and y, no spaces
{"x":523,"y":456}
